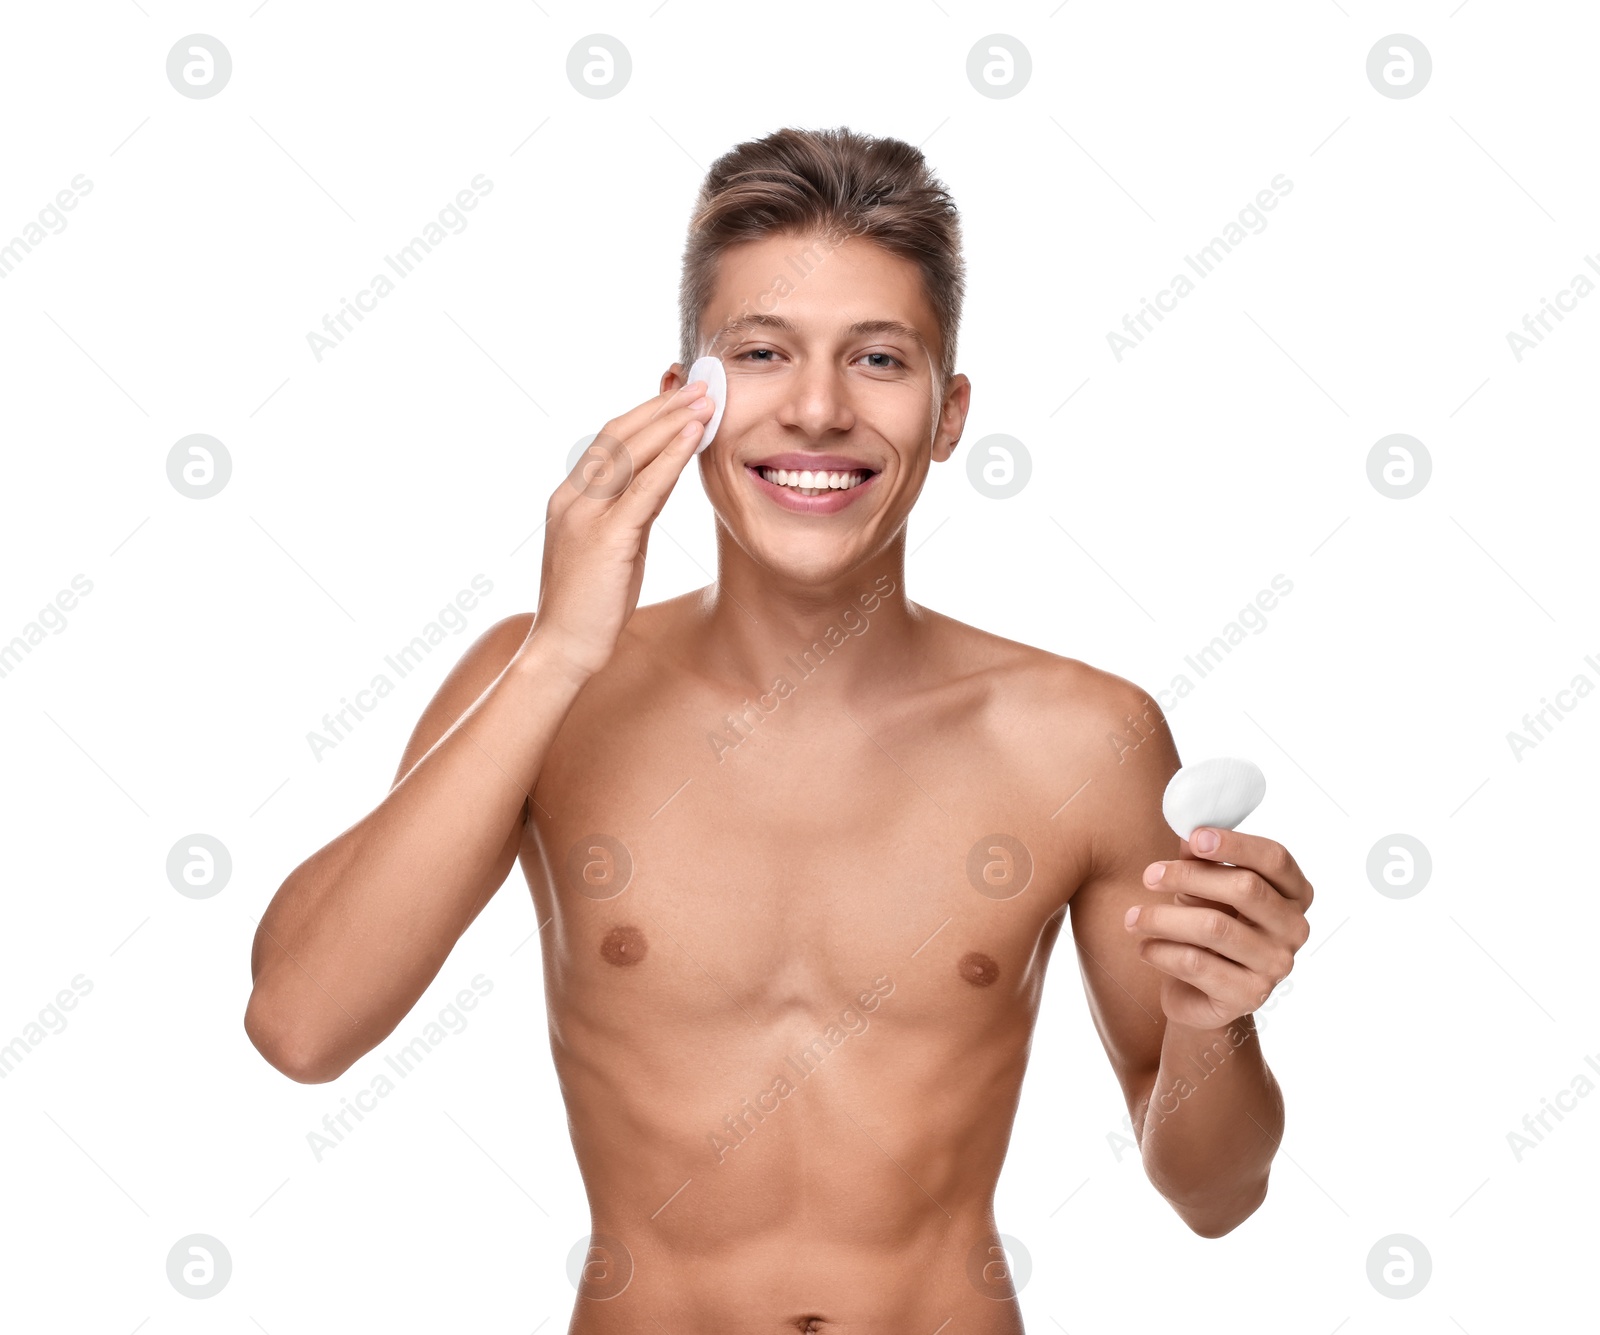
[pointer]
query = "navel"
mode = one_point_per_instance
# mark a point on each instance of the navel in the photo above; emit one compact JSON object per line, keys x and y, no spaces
{"x":977,"y":968}
{"x":623,"y":946}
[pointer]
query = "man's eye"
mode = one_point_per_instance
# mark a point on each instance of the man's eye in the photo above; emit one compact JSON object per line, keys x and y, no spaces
{"x":766,"y":355}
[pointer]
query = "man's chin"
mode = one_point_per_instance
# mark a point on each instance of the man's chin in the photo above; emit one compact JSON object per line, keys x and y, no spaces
{"x":815,"y":562}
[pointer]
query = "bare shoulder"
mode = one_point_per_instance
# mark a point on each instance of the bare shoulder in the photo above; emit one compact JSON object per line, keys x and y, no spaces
{"x":1072,"y":734}
{"x":1063,"y":699}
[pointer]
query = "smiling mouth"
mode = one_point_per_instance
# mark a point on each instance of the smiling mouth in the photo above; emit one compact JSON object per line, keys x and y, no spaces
{"x":807,"y":482}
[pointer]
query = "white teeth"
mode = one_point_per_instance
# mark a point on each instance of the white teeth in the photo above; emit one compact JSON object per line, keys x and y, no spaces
{"x":813,"y":483}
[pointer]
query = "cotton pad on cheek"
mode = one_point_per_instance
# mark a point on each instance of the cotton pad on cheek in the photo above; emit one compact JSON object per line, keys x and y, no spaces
{"x":1219,"y":793}
{"x":710,"y":370}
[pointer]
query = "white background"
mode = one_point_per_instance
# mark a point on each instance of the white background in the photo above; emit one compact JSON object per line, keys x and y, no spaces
{"x":369,"y":487}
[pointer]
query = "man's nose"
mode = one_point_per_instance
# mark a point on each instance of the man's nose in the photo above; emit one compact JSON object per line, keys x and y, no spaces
{"x":817,"y":401}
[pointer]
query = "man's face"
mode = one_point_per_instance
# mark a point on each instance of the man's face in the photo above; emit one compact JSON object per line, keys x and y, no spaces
{"x":831,"y":356}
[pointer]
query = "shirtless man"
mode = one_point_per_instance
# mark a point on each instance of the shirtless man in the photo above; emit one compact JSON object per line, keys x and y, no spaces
{"x":801,"y":847}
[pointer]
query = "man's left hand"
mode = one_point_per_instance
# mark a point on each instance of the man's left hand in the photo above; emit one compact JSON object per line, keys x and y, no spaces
{"x":1231,"y":935}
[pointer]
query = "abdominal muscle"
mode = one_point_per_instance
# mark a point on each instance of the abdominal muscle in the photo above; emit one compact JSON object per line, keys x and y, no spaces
{"x":734,"y":1189}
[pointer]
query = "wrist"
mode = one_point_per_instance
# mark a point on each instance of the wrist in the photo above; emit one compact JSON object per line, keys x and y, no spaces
{"x":544,"y":657}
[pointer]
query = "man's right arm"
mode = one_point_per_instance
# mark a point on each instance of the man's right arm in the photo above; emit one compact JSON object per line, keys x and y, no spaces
{"x":359,"y":929}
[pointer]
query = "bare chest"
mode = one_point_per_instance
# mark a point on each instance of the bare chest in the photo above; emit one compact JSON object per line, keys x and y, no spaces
{"x":693,"y":855}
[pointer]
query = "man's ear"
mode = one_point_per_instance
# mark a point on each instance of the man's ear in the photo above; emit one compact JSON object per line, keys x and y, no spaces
{"x":952,"y":417}
{"x":675,"y":377}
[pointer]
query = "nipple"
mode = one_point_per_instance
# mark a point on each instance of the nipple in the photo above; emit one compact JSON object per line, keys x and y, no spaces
{"x":978,"y":969}
{"x":623,"y":946}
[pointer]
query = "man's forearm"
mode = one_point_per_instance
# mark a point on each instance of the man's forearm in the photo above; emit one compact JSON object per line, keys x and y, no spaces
{"x":1212,"y":1124}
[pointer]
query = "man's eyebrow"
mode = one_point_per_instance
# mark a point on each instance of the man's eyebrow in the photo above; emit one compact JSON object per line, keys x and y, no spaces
{"x":782,"y":324}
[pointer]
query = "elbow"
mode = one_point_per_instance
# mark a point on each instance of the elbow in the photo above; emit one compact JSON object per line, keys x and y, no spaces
{"x":1212,"y":1219}
{"x":1216,"y":1228}
{"x":287,"y":1047}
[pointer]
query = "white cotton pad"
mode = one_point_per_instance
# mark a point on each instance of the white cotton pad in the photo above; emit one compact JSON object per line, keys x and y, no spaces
{"x":1219,"y":793}
{"x":710,"y":370}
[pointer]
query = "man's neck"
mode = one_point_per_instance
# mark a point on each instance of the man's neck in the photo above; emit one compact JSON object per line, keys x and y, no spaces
{"x":856,"y":633}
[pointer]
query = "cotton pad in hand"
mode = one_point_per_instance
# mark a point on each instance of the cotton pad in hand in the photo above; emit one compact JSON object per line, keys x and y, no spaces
{"x":1219,"y":793}
{"x":711,"y":371}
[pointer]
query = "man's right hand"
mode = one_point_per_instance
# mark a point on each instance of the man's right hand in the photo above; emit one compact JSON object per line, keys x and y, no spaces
{"x":598,"y":525}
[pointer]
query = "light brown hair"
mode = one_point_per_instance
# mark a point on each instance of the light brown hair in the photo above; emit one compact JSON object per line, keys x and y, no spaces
{"x":836,"y":183}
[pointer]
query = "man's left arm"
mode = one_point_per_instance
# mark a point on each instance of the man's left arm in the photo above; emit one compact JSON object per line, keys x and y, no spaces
{"x":1178,"y":952}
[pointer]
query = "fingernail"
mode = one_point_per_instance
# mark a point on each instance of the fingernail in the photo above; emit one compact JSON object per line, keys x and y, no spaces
{"x":1131,"y":917}
{"x":1205,"y":840}
{"x":699,"y":404}
{"x":1155,"y":873}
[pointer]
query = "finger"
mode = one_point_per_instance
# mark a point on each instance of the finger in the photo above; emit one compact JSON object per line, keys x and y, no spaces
{"x":630,"y":421}
{"x":1233,"y":988}
{"x":654,"y":438}
{"x":1200,"y":902}
{"x":1240,"y":942}
{"x":601,"y":471}
{"x":647,"y":494}
{"x":1187,"y":1004}
{"x":1266,"y":857}
{"x":613,"y":464}
{"x":1243,"y":892}
{"x":608,"y":464}
{"x":1202,"y":875}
